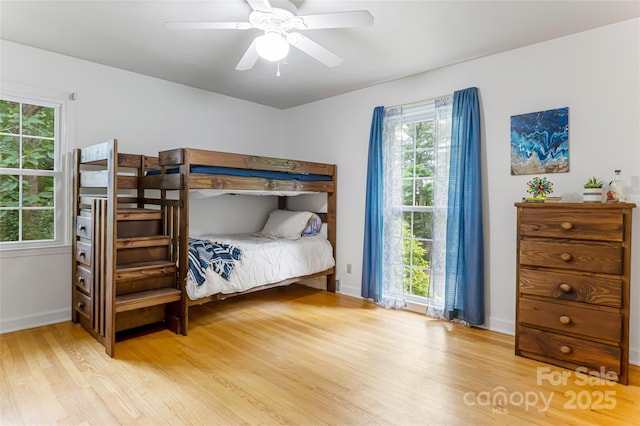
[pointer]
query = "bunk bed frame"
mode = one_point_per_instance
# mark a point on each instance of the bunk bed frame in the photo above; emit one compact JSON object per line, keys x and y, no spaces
{"x":132,"y":230}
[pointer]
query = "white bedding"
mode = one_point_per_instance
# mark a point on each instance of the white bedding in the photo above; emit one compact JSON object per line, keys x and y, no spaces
{"x":264,"y":261}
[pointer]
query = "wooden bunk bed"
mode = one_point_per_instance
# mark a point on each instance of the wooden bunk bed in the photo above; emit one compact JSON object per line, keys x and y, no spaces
{"x":131,"y":221}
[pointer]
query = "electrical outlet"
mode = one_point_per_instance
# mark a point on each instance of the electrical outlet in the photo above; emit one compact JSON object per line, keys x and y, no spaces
{"x":348,"y":268}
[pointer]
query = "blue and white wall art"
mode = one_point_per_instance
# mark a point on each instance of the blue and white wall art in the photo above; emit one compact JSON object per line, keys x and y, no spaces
{"x":540,"y":142}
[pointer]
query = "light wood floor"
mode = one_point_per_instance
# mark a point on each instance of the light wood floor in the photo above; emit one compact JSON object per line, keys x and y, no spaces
{"x":296,"y":355}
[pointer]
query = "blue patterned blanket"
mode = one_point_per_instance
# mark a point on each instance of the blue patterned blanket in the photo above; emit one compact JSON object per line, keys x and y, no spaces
{"x":204,"y":254}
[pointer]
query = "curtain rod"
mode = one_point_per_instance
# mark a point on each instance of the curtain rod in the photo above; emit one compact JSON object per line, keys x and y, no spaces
{"x":417,"y":103}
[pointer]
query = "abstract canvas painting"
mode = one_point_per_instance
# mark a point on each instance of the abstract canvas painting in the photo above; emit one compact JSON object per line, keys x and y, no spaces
{"x":540,"y":142}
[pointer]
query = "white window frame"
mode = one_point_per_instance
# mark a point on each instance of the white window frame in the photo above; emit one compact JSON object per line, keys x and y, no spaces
{"x":417,"y":209}
{"x":65,"y":114}
{"x":417,"y":114}
{"x":428,"y":116}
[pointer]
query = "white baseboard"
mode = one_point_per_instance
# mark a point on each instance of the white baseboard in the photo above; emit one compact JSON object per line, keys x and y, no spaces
{"x":501,"y":325}
{"x":349,"y":291}
{"x":31,"y":321}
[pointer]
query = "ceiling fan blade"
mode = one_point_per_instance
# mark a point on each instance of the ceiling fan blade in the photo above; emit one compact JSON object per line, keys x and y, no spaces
{"x":260,"y":5}
{"x":249,"y":58}
{"x":208,"y":25}
{"x":354,"y":18}
{"x":313,"y":49}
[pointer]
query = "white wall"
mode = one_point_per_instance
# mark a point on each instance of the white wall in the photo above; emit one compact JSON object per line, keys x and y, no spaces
{"x":596,"y":74}
{"x":146,"y":115}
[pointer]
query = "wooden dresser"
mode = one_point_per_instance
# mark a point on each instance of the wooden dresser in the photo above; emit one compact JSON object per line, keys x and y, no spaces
{"x":573,"y":272}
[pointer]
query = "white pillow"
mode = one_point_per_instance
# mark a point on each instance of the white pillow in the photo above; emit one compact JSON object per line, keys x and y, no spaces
{"x":285,"y":224}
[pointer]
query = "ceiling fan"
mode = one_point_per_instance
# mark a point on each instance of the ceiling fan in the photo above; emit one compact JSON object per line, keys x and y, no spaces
{"x":277,"y":22}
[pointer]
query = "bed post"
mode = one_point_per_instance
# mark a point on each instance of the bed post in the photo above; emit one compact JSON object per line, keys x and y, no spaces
{"x":110,"y":246}
{"x":331,"y":227}
{"x":282,"y":202}
{"x":75,"y":315}
{"x":183,"y":244}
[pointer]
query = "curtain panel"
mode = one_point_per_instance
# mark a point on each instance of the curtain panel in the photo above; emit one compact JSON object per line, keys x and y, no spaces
{"x":382,"y":269}
{"x":464,"y":283}
{"x":442,"y":136}
{"x":392,"y":224}
{"x":372,"y":253}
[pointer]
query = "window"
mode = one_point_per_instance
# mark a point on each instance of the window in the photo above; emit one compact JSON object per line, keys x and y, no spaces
{"x":418,"y":155}
{"x":31,"y":174}
{"x":418,"y":142}
{"x":423,"y":213}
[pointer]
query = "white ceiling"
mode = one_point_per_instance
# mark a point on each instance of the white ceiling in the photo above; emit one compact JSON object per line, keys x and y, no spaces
{"x":407,"y":37}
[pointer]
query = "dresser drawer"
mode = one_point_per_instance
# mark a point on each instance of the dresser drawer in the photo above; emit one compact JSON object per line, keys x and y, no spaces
{"x":565,"y":286}
{"x":83,"y":279}
{"x":83,"y":227}
{"x":83,"y":252}
{"x":579,"y":225}
{"x":604,"y":258}
{"x":83,"y":304}
{"x":570,"y":319}
{"x":570,"y":349}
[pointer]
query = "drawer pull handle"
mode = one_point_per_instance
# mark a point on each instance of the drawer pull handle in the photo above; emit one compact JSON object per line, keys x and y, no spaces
{"x":566,"y":226}
{"x":564,"y":319}
{"x":565,"y":288}
{"x":80,"y":306}
{"x":81,"y":280}
{"x":81,"y":253}
{"x":566,"y":257}
{"x":82,"y":228}
{"x":565,"y":349}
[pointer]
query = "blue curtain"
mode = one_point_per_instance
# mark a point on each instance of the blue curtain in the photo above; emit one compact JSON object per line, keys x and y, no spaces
{"x":464,"y":280}
{"x":372,"y":257}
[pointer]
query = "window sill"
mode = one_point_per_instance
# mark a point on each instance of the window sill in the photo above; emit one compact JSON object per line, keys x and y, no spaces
{"x":413,"y":306}
{"x":7,"y":253}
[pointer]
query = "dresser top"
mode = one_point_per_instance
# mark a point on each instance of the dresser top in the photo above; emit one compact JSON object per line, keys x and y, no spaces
{"x":589,"y":206}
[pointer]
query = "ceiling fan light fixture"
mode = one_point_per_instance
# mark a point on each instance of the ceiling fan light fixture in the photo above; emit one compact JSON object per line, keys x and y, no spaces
{"x":272,"y":47}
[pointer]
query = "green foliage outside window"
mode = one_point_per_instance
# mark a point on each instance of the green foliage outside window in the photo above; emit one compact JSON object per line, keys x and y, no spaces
{"x":416,"y":277}
{"x":418,"y":162}
{"x":26,"y":143}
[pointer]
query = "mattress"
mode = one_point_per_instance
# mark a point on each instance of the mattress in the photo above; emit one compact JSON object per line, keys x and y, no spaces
{"x":212,"y":170}
{"x":264,"y":261}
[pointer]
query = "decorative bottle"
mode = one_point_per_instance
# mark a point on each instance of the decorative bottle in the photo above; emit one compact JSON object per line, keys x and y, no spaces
{"x":617,"y":192}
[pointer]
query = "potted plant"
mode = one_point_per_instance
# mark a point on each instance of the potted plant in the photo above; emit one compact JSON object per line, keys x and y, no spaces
{"x":593,"y":191}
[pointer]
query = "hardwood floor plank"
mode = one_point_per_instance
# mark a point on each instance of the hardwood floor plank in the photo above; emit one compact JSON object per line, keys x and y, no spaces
{"x":9,"y":379}
{"x":297,"y":355}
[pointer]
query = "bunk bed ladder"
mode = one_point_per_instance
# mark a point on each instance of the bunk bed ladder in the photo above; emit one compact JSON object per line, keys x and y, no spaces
{"x":124,"y":268}
{"x":94,"y":233}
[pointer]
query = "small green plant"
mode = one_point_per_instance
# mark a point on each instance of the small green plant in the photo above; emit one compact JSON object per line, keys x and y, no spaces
{"x":593,"y":183}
